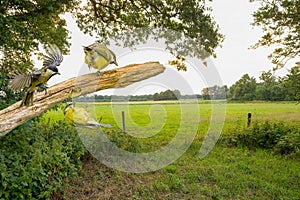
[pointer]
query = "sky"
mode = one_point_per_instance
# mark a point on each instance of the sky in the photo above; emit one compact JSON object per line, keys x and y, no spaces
{"x":234,"y":58}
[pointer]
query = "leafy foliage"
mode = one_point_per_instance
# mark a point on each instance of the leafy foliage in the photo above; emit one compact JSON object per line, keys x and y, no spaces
{"x":271,"y":88}
{"x":128,"y":22}
{"x":167,"y":95}
{"x":35,"y":157}
{"x":291,"y":84}
{"x":243,"y":89}
{"x":25,"y":24}
{"x":8,"y":97}
{"x":280,"y":22}
{"x":184,"y":24}
{"x":283,"y":139}
{"x":214,"y":92}
{"x":164,"y":95}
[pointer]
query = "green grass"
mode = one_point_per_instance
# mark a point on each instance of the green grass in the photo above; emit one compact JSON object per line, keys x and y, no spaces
{"x":234,"y":111}
{"x":225,"y":173}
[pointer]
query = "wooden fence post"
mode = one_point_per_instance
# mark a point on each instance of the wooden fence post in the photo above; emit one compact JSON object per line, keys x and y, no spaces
{"x":123,"y":121}
{"x":249,"y":119}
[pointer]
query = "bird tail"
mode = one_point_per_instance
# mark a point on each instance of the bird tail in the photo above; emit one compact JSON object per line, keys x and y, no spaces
{"x":28,"y":99}
{"x":105,"y":125}
{"x":94,"y":124}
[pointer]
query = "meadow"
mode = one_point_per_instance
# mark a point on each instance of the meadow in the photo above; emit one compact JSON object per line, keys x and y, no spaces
{"x":227,"y":172}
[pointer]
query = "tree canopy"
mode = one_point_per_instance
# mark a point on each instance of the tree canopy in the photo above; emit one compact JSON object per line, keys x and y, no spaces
{"x":26,"y":24}
{"x":243,"y":89}
{"x":269,"y":88}
{"x":280,"y":21}
{"x":186,"y":26}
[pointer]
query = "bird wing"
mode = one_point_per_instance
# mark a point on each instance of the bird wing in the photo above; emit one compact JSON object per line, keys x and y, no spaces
{"x":21,"y":81}
{"x":53,"y":57}
{"x":112,"y":54}
{"x":51,"y":60}
{"x":103,"y":52}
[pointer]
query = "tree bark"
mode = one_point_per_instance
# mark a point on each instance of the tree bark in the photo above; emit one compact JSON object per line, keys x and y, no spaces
{"x":15,"y":115}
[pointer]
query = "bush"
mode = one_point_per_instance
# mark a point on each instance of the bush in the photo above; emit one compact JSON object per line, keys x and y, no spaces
{"x":289,"y":144}
{"x":35,"y":157}
{"x":283,"y":139}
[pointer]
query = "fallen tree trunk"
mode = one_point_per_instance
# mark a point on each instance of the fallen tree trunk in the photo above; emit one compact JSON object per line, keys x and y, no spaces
{"x":15,"y":115}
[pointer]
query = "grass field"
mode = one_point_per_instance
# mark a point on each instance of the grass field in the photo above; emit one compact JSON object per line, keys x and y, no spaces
{"x":225,"y":173}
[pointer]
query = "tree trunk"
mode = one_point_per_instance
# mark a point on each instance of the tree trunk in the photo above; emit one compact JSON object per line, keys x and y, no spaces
{"x":15,"y":115}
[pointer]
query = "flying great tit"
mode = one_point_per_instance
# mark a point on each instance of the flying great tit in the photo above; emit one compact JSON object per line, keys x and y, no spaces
{"x":76,"y":116}
{"x":98,"y":56}
{"x":37,"y":78}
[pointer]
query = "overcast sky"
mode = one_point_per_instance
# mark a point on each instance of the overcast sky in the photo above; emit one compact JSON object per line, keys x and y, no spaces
{"x":233,"y":60}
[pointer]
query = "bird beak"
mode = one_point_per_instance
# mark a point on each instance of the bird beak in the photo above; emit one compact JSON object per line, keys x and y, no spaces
{"x":58,"y":73}
{"x":115,"y":62}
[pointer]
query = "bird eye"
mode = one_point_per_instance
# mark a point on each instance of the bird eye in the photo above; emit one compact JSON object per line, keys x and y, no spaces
{"x":87,"y":49}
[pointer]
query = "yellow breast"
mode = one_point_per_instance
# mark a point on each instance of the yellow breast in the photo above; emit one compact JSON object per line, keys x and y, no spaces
{"x":100,"y":63}
{"x":69,"y":116}
{"x":96,"y":61}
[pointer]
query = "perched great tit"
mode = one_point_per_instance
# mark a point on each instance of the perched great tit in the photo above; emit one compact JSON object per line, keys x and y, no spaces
{"x":98,"y":56}
{"x":38,"y":78}
{"x":80,"y":117}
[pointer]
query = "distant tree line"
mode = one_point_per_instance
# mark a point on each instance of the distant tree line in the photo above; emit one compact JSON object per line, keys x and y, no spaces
{"x":173,"y":95}
{"x":268,"y":88}
{"x":214,"y":93}
{"x":165,"y":95}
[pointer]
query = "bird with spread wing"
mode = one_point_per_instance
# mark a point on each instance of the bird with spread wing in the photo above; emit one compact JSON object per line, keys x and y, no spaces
{"x":39,"y":78}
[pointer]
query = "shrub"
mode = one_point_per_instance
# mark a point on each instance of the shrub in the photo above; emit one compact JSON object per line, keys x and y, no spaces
{"x":289,"y":144}
{"x":35,"y":157}
{"x":282,"y":138}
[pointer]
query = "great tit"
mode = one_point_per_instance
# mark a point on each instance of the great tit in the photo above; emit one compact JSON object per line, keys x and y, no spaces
{"x":38,"y":78}
{"x":76,"y":116}
{"x":98,"y":56}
